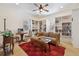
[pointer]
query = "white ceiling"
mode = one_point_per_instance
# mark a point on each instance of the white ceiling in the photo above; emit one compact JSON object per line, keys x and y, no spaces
{"x":52,"y":7}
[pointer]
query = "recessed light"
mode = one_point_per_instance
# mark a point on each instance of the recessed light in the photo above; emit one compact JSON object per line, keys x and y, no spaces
{"x":61,"y":6}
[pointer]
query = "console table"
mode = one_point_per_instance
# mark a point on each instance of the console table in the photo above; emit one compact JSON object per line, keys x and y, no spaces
{"x":21,"y":35}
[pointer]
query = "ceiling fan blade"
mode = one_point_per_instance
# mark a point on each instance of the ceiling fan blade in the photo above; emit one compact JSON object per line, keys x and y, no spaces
{"x":46,"y":5}
{"x":36,"y":5}
{"x":46,"y":10}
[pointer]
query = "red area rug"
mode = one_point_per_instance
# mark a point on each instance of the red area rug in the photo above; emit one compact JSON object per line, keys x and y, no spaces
{"x":32,"y":51}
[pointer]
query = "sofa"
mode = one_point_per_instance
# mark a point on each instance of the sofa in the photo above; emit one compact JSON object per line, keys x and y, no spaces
{"x":55,"y":37}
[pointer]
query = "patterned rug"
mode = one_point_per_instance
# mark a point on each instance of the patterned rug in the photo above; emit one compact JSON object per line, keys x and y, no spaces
{"x":32,"y":51}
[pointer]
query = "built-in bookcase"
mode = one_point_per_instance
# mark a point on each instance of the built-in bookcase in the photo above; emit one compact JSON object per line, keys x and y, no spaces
{"x":38,"y":26}
{"x":63,"y":25}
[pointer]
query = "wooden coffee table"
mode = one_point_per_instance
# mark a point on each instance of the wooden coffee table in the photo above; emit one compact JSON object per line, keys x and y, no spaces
{"x":41,"y":39}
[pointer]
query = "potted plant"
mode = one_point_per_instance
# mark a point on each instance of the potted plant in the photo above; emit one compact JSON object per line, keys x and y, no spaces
{"x":7,"y":33}
{"x":6,"y":38}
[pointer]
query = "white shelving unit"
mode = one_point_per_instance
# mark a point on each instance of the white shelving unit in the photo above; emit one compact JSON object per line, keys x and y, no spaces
{"x":38,"y":26}
{"x":63,"y":25}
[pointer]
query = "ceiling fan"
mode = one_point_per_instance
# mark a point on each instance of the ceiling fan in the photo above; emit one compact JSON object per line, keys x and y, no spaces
{"x":41,"y":7}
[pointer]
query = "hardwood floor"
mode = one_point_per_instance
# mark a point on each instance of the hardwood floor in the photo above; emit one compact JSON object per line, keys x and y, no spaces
{"x":18,"y":51}
{"x":70,"y":50}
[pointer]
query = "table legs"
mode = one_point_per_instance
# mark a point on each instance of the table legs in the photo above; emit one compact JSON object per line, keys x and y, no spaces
{"x":21,"y":38}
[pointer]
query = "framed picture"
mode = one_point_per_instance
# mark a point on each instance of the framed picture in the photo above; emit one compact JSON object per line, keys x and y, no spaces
{"x":26,"y":25}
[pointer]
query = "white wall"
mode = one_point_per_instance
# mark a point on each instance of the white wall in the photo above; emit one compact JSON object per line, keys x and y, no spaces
{"x":50,"y":22}
{"x":14,"y":17}
{"x":11,"y":17}
{"x":51,"y":18}
{"x":11,"y":20}
{"x":47,"y":25}
{"x":75,"y":28}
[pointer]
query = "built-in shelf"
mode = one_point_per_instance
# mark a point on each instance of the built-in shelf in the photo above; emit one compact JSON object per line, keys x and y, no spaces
{"x":63,"y":25}
{"x":38,"y":26}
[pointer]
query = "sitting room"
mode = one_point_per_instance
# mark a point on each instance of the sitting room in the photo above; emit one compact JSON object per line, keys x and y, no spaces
{"x":39,"y":29}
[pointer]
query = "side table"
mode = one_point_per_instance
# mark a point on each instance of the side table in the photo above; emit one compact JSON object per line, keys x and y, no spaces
{"x":10,"y":41}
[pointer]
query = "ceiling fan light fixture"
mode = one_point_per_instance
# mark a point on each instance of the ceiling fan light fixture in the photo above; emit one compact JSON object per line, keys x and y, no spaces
{"x":41,"y":10}
{"x":41,"y":7}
